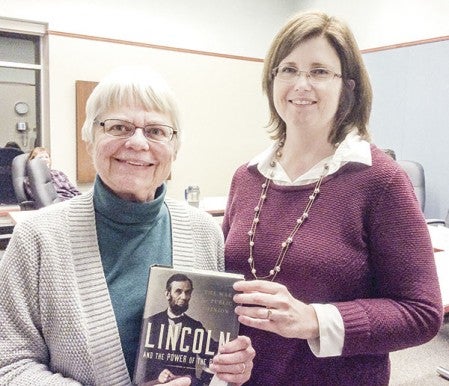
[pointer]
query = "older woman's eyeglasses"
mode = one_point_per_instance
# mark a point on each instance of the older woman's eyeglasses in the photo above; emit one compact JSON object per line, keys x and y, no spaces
{"x":315,"y":75}
{"x":123,"y":129}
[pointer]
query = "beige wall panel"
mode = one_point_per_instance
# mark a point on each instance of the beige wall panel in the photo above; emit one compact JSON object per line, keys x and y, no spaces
{"x":223,"y":111}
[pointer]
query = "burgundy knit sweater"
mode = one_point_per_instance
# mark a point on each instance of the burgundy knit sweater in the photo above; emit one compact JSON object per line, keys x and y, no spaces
{"x":364,"y":248}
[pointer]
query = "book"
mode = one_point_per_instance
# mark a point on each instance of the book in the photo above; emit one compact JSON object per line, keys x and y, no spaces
{"x":187,"y":316}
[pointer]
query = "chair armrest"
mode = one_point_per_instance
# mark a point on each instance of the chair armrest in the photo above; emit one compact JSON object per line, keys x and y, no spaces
{"x":443,"y":371}
{"x":435,"y":221}
{"x":27,"y":205}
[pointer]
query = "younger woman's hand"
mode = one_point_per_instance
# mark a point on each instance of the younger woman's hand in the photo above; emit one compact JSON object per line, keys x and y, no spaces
{"x":271,"y":307}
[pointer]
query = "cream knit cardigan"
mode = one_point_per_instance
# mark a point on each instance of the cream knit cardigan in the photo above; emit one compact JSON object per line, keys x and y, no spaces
{"x":57,"y":322}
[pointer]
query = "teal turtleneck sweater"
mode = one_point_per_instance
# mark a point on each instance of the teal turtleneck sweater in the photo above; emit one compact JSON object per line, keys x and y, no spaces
{"x":132,"y":236}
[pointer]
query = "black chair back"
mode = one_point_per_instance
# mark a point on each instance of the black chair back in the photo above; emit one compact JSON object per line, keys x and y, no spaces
{"x":19,"y":174}
{"x":7,"y":194}
{"x":42,"y":188}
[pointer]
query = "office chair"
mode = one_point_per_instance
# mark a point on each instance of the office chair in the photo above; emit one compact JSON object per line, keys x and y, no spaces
{"x":19,"y":175}
{"x":42,"y":188}
{"x":415,"y":172}
{"x":7,"y":194}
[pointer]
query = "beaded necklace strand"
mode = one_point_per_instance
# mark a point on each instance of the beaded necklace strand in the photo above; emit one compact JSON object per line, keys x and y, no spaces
{"x":257,"y":211}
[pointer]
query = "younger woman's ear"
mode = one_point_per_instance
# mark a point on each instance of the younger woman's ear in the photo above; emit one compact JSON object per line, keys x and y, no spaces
{"x":351,"y":84}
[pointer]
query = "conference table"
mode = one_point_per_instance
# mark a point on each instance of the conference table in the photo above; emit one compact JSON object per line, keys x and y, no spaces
{"x":16,"y":217}
{"x":6,"y":223}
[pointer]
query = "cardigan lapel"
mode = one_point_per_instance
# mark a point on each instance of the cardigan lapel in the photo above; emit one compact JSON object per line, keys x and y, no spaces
{"x":182,"y":237}
{"x":107,"y":356}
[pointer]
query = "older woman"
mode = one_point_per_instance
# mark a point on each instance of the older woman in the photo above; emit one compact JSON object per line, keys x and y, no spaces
{"x":327,"y":225}
{"x":73,"y":279}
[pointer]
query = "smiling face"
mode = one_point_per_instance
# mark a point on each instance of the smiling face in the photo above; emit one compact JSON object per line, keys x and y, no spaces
{"x":133,"y":168}
{"x":301,"y":104}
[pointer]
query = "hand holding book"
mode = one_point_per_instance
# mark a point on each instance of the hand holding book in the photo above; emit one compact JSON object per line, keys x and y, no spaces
{"x":234,"y":361}
{"x":177,"y":381}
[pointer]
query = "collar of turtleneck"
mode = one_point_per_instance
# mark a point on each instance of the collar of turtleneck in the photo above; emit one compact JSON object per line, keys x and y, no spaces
{"x":115,"y":209}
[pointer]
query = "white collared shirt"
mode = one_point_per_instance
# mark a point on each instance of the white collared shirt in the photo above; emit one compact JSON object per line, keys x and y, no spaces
{"x":351,"y":149}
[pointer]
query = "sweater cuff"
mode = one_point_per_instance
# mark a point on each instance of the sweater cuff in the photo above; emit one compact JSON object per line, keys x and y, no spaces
{"x":357,"y":327}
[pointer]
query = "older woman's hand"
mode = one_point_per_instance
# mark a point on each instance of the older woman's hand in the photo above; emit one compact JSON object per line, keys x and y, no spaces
{"x":234,"y":361}
{"x":273,"y":308}
{"x":178,"y":381}
{"x":182,"y":381}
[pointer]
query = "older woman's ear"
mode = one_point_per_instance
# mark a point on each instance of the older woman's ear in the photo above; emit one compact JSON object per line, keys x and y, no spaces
{"x":90,"y":148}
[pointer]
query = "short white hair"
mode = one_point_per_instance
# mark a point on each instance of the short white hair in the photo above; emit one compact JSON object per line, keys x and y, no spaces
{"x":131,"y":86}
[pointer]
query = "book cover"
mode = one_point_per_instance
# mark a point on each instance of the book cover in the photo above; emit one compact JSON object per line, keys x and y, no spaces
{"x":187,"y":316}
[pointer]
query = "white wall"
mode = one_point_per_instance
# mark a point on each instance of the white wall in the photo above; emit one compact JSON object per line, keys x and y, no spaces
{"x":385,"y":22}
{"x":233,"y":27}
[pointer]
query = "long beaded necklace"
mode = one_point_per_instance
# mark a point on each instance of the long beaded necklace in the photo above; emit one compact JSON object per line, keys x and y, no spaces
{"x":258,"y":209}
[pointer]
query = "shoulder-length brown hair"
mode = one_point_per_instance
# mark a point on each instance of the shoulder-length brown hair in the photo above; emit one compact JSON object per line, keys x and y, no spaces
{"x":356,"y":97}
